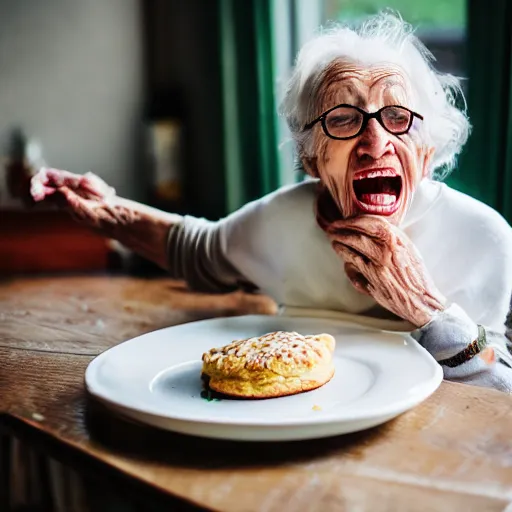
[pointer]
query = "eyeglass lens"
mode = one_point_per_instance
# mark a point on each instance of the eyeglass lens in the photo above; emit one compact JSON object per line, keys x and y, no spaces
{"x":347,"y":121}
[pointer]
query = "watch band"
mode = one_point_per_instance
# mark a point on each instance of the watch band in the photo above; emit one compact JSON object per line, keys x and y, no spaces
{"x":474,"y":348}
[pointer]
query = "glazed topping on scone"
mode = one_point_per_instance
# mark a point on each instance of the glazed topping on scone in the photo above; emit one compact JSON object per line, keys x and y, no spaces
{"x":288,"y":347}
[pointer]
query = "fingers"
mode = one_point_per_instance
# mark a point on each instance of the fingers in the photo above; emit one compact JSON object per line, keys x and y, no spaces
{"x":369,"y":225}
{"x":356,"y":267}
{"x":411,"y":304}
{"x":414,"y":277}
{"x":382,"y":262}
{"x":39,"y":192}
{"x":38,"y":188}
{"x":433,"y":302}
{"x":357,"y":279}
{"x":356,"y":261}
{"x":59,"y":178}
{"x":370,"y":248}
{"x":46,"y":181}
{"x":91,"y":212}
{"x":408,"y":280}
{"x":96,"y":186}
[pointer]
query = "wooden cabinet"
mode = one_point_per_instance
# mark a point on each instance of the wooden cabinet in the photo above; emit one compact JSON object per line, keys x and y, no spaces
{"x":50,"y":241}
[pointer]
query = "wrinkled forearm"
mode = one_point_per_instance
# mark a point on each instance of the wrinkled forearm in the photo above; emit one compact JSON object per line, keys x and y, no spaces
{"x":141,"y":228}
{"x":188,"y":248}
{"x":452,"y":331}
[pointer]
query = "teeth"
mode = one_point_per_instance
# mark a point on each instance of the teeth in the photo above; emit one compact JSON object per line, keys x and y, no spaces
{"x":378,"y":173}
{"x":378,"y":199}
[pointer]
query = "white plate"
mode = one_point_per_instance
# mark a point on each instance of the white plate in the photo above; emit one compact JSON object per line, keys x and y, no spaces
{"x":155,"y":379}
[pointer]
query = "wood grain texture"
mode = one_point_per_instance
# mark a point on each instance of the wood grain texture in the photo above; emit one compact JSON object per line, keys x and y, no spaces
{"x":86,"y":315}
{"x":453,"y":452}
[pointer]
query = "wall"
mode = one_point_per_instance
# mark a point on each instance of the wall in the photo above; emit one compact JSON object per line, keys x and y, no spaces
{"x":71,"y":74}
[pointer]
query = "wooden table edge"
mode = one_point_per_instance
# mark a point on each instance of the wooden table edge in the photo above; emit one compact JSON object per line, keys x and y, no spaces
{"x":73,"y":456}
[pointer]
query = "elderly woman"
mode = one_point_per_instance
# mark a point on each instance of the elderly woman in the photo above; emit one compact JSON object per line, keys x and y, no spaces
{"x":371,"y":237}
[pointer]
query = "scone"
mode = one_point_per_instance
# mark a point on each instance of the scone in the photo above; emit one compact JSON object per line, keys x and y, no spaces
{"x":276,"y":364}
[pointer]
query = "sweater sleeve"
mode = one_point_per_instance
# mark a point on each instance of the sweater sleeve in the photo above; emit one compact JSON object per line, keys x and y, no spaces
{"x":450,"y":333}
{"x":474,"y":273}
{"x":195,"y":254}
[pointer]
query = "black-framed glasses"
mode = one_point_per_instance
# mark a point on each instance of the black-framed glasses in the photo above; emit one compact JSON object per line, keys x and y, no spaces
{"x":344,"y":122}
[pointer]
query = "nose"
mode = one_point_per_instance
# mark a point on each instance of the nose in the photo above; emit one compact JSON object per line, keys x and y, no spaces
{"x":375,"y":142}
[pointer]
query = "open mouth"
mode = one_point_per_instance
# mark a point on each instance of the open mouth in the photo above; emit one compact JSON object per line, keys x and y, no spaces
{"x":378,"y":191}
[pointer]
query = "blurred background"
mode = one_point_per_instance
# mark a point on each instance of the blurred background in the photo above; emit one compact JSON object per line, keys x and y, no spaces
{"x":174,"y":103}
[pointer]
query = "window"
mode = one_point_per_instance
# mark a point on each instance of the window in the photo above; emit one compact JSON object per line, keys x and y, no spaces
{"x":440,"y":24}
{"x":294,"y":22}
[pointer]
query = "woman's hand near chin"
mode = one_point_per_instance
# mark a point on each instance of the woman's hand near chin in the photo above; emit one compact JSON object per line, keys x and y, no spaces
{"x":382,"y":262}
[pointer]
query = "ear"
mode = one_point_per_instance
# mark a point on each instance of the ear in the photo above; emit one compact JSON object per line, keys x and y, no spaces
{"x":310,"y":166}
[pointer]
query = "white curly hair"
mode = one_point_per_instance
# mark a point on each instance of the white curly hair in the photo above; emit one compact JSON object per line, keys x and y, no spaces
{"x":384,"y":37}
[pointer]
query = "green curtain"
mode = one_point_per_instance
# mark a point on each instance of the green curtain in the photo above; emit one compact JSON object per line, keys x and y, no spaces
{"x":249,"y":110}
{"x":507,"y":163}
{"x":485,"y":167}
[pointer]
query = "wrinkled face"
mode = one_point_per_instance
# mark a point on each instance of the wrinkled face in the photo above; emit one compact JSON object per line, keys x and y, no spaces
{"x":375,"y":172}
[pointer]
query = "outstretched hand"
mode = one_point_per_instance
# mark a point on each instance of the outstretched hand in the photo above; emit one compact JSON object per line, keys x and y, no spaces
{"x":47,"y":182}
{"x":87,"y":197}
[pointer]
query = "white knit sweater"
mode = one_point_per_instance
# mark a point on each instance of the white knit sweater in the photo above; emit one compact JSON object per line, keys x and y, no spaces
{"x":275,"y":245}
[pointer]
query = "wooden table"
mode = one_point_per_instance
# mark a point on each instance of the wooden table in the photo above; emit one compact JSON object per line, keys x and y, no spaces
{"x":454,"y":452}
